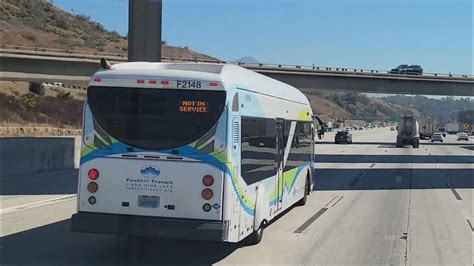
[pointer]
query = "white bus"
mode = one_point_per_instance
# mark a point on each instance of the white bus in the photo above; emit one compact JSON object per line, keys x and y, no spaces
{"x":191,"y":150}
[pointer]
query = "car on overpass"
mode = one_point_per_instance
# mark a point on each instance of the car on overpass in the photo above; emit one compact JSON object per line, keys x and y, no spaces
{"x":413,"y":69}
{"x":399,"y":69}
{"x":407,"y":69}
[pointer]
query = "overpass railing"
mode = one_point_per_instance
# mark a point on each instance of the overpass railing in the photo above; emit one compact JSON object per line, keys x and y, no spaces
{"x":262,"y":66}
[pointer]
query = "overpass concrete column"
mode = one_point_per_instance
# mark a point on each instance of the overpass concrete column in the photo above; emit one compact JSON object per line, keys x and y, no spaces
{"x":144,"y":30}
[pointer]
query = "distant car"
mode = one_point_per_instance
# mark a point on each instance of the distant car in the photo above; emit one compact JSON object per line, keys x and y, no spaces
{"x":392,"y":128}
{"x":347,"y":129}
{"x":343,"y":137}
{"x":463,"y":136}
{"x":414,"y":69}
{"x":399,"y":69}
{"x":442,"y":133}
{"x":437,"y":137}
{"x":361,"y":128}
{"x":407,"y":69}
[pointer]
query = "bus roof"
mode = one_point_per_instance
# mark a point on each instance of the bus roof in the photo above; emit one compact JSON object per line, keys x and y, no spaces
{"x":228,"y":74}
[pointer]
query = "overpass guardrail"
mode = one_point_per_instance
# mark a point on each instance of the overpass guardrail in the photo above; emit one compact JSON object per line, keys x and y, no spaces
{"x":70,"y":53}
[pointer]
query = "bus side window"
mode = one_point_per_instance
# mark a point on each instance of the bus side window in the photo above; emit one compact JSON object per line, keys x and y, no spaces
{"x":258,"y":142}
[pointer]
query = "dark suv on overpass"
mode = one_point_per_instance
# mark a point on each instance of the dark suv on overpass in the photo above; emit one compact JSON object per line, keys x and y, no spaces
{"x":399,"y":69}
{"x":407,"y":69}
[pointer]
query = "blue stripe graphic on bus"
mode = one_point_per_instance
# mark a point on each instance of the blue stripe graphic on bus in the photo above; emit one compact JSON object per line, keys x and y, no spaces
{"x":119,"y":147}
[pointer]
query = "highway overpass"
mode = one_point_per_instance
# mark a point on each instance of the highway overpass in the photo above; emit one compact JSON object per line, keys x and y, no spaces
{"x":75,"y":68}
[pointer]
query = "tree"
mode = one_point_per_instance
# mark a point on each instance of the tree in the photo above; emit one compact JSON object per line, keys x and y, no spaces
{"x":466,"y":116}
{"x":36,"y":88}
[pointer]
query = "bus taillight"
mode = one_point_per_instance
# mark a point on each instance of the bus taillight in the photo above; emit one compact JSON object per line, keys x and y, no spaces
{"x":92,"y":187}
{"x":207,"y":193}
{"x":208,"y":180}
{"x":93,"y":174}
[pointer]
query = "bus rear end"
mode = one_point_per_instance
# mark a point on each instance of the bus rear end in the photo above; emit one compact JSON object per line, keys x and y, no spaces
{"x":148,"y":164}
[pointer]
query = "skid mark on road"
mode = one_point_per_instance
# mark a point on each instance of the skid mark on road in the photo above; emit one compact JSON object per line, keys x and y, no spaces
{"x":334,"y":204}
{"x":470,"y":225}
{"x":308,"y":222}
{"x":456,"y":194}
{"x":335,"y":197}
{"x":318,"y":214}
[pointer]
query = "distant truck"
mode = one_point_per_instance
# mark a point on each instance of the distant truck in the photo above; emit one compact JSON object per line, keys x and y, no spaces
{"x":408,"y":132}
{"x":442,"y":130}
{"x":452,"y":128}
{"x":329,"y":126}
{"x":427,"y":128}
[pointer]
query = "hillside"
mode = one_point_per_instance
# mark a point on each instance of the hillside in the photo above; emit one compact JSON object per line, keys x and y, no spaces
{"x":444,"y":110}
{"x":38,"y":23}
{"x":355,"y":106}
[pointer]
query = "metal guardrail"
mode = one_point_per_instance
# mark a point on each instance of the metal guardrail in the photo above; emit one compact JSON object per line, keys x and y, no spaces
{"x":57,"y":50}
{"x":313,"y":68}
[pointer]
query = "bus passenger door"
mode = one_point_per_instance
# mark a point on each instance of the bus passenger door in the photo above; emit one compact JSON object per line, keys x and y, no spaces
{"x":280,"y":149}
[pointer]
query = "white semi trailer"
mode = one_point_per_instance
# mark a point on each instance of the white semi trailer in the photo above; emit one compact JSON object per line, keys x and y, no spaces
{"x":452,"y":128}
{"x":427,"y":128}
{"x":408,"y":132}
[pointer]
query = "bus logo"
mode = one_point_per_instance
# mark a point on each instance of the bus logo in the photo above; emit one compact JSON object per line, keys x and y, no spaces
{"x":150,"y":171}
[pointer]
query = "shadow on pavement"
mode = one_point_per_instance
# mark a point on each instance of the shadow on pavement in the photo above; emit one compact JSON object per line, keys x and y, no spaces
{"x":48,"y":183}
{"x":359,"y":158}
{"x":381,"y":179}
{"x":392,"y":143}
{"x":55,"y":244}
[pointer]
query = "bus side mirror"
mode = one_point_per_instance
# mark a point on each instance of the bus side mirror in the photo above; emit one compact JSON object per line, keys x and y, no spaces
{"x":320,"y":131}
{"x":320,"y":128}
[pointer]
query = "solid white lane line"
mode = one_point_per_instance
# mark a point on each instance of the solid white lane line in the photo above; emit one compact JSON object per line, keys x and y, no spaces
{"x":36,"y":204}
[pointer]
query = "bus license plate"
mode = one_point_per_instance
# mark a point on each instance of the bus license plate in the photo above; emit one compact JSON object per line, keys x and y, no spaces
{"x":148,"y":201}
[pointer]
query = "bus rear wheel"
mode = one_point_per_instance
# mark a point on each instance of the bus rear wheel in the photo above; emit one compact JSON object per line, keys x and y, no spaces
{"x":256,"y":236}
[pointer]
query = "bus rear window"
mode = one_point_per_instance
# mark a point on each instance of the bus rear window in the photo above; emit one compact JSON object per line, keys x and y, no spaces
{"x":155,"y":119}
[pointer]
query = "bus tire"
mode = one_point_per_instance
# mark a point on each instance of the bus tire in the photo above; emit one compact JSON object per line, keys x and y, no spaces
{"x":307,"y":187}
{"x":256,"y":236}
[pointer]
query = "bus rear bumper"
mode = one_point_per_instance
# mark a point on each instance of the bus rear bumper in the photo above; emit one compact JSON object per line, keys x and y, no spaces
{"x":102,"y":223}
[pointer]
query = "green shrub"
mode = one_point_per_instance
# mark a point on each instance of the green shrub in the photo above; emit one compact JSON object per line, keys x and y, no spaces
{"x":36,"y":88}
{"x":62,"y":23}
{"x":64,"y":95}
{"x":27,"y":101}
{"x":30,"y":37}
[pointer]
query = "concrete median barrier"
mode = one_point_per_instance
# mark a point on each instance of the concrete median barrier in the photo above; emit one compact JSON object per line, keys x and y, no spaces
{"x":20,"y":156}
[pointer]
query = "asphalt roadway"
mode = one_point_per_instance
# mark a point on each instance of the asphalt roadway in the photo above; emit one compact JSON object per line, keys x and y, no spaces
{"x":374,"y":204}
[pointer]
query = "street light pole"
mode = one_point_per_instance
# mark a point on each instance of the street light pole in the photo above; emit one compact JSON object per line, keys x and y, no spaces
{"x":144,"y":30}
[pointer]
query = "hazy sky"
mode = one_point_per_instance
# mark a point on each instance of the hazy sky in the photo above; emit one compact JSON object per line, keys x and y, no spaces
{"x":372,"y":34}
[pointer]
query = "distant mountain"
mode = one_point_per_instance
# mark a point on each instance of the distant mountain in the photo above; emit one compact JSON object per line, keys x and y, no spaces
{"x":247,"y":60}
